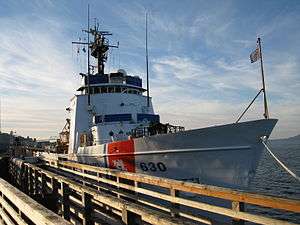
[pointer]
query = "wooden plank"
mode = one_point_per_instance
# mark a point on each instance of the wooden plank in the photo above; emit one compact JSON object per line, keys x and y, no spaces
{"x":36,"y":212}
{"x":197,"y":219}
{"x":6,"y":218}
{"x":12,"y":212}
{"x":231,"y":213}
{"x":207,"y":190}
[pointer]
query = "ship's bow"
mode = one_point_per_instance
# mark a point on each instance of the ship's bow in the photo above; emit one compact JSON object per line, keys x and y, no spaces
{"x":226,"y":155}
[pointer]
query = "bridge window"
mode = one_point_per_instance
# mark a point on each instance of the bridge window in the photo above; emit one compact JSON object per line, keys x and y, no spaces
{"x":113,"y":118}
{"x":149,"y":117}
{"x":114,"y":89}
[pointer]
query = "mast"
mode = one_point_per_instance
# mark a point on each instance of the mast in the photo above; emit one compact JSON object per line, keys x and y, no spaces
{"x":97,"y":49}
{"x":266,"y":113}
{"x":147,"y":62}
{"x":88,"y":58}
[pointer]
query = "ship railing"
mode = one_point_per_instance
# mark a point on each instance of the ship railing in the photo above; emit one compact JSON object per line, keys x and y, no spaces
{"x":140,"y":132}
{"x":178,"y":198}
{"x":154,"y":129}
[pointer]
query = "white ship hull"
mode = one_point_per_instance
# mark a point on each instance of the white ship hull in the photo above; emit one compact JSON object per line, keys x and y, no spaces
{"x":224,"y":155}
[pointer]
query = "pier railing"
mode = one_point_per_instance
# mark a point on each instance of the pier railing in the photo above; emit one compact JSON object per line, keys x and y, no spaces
{"x":178,"y":198}
{"x":82,"y":204}
{"x":18,"y":208}
{"x":82,"y":190}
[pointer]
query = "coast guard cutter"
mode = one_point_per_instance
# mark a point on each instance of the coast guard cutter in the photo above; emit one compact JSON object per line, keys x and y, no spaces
{"x":113,"y":124}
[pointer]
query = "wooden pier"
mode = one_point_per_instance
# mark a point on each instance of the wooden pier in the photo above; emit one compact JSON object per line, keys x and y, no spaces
{"x":84,"y":194}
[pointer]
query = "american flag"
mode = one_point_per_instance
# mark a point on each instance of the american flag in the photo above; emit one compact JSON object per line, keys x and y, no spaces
{"x":255,"y":55}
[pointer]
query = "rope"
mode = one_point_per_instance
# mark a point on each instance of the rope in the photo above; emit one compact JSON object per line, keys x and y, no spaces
{"x":280,"y":163}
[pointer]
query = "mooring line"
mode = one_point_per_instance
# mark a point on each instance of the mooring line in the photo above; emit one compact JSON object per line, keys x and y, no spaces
{"x":280,"y":163}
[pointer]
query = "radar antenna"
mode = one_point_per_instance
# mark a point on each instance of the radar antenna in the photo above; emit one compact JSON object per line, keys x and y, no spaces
{"x":98,"y":48}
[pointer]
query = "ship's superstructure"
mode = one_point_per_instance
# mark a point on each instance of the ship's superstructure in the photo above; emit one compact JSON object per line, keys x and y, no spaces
{"x":110,"y":106}
{"x":117,"y":107}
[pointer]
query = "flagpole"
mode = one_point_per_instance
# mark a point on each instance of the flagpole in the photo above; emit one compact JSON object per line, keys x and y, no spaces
{"x":266,"y":114}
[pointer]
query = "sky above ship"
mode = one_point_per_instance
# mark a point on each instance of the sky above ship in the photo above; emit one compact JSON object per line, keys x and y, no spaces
{"x":200,"y":71}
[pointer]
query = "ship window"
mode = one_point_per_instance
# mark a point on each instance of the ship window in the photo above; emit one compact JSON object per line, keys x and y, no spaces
{"x":110,"y":89}
{"x":104,"y":90}
{"x":113,"y":118}
{"x":91,"y":90}
{"x":118,"y":89}
{"x":98,"y":119}
{"x":117,"y":117}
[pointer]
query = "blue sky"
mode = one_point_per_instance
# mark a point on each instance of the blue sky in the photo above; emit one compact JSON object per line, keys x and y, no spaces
{"x":200,"y":70}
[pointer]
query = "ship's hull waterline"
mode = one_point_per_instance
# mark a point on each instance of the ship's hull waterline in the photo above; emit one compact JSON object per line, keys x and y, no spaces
{"x":225,"y":155}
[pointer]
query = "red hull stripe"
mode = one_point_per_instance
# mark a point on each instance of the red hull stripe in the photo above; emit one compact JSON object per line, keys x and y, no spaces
{"x":125,"y":161}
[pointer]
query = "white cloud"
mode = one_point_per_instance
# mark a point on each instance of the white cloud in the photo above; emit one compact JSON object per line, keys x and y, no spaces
{"x":213,"y":96}
{"x":37,"y":76}
{"x":188,"y":87}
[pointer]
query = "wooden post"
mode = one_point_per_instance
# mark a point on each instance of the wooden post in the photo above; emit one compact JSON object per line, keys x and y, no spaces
{"x":174,"y":206}
{"x":87,"y":207}
{"x":65,"y":207}
{"x":55,"y":194}
{"x":23,"y":177}
{"x":136,"y":185}
{"x":118,"y":181}
{"x":98,"y":186}
{"x":30,"y":179}
{"x":44,"y":185}
{"x":129,"y":217}
{"x":26,"y":179}
{"x":36,"y":182}
{"x":239,"y":207}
